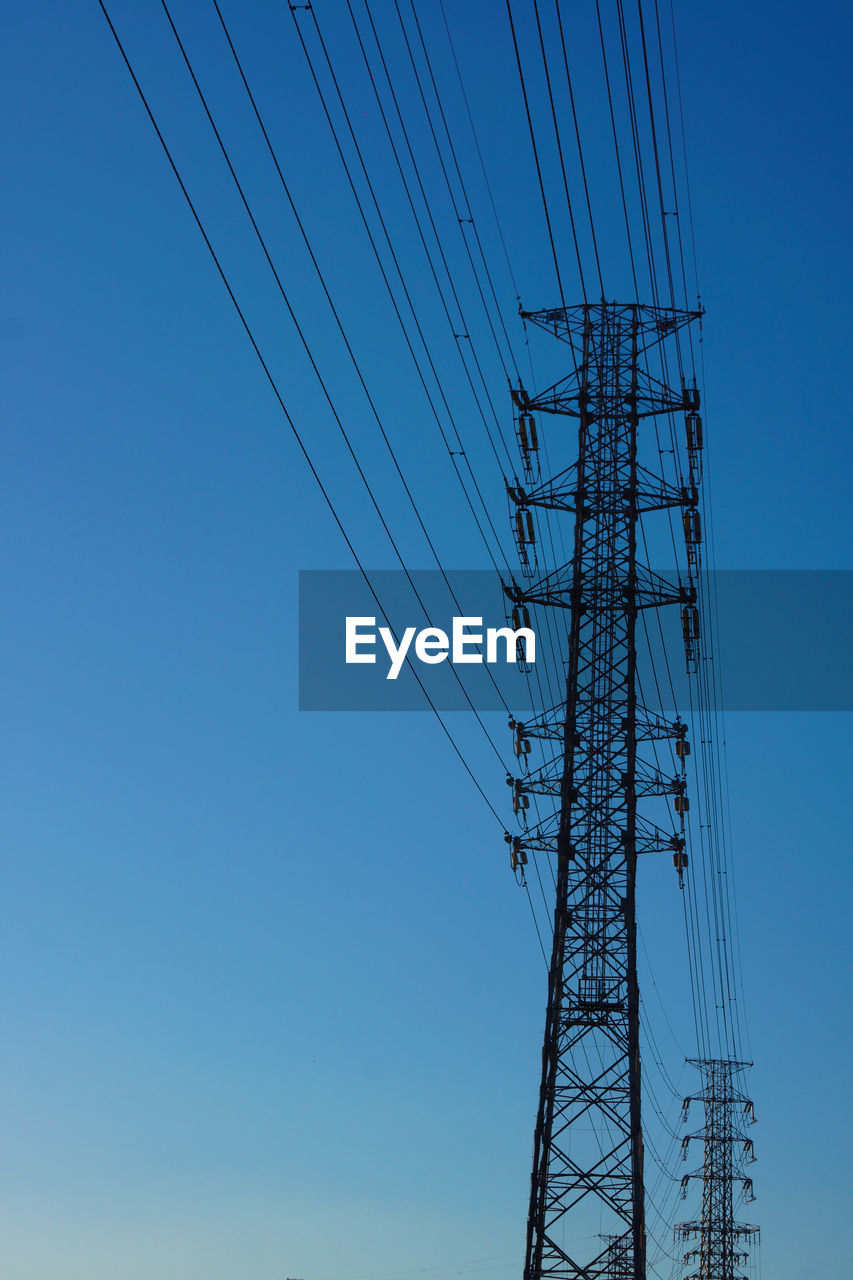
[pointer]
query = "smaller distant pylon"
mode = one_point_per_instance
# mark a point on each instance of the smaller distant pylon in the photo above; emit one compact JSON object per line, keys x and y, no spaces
{"x":719,"y":1246}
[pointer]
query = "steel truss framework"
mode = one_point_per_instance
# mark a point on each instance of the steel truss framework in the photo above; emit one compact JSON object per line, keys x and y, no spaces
{"x":720,"y":1246}
{"x":617,"y":1258}
{"x":588,"y":1149}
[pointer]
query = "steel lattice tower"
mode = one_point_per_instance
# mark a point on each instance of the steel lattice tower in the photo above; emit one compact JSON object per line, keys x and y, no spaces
{"x":617,"y":1258}
{"x":718,"y":1252}
{"x":588,"y":1146}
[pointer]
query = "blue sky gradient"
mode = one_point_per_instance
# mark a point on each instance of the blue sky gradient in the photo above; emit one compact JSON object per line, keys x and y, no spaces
{"x":272,"y":1002}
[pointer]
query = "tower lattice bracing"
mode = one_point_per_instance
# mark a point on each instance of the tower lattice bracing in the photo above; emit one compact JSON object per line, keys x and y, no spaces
{"x":588,"y":1148}
{"x":719,"y":1245}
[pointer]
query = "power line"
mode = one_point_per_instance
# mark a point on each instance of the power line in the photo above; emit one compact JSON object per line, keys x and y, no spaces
{"x":428,"y":209}
{"x":536,"y":158}
{"x":579,"y":145}
{"x":344,"y":433}
{"x":343,"y":334}
{"x":277,"y":393}
{"x":552,"y":650}
{"x":559,"y":142}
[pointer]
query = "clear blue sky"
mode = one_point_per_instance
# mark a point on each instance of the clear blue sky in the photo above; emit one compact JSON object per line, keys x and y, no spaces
{"x":271,"y":1001}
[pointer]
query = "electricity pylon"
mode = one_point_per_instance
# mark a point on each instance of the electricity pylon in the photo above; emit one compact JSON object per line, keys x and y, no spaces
{"x":720,"y":1245}
{"x":588,"y":1145}
{"x":617,"y":1258}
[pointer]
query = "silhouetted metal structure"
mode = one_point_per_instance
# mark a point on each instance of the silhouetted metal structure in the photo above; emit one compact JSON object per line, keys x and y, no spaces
{"x":720,"y":1245}
{"x":588,"y":1145}
{"x":617,"y":1257}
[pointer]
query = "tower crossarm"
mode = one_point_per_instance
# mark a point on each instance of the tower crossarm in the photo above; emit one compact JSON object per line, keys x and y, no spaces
{"x":563,"y":493}
{"x":552,"y":590}
{"x":559,"y":494}
{"x":652,"y":727}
